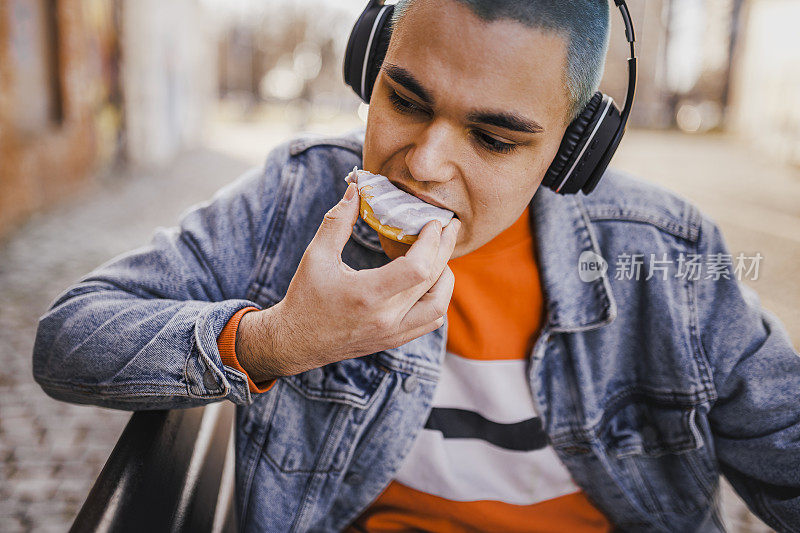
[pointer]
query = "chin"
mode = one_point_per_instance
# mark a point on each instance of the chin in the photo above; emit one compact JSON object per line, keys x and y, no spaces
{"x":393,"y":249}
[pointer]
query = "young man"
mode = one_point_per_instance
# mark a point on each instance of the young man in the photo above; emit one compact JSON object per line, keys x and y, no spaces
{"x":480,"y":381}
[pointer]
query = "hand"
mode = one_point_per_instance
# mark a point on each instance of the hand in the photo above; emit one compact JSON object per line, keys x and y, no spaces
{"x":332,"y":312}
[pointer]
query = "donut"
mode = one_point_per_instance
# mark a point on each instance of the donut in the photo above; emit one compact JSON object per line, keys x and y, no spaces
{"x":392,"y":212}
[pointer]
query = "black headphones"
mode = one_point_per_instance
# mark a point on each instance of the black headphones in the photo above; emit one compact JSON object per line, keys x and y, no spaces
{"x":589,"y":142}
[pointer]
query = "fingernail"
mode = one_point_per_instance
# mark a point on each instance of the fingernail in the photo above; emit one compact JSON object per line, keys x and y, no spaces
{"x":350,"y":192}
{"x":437,"y":225}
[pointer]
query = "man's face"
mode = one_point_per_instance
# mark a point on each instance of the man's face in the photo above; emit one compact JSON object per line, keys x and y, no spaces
{"x":468,"y":114}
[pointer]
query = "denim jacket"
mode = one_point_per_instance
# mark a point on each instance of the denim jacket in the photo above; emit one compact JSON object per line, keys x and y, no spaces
{"x":648,"y":389}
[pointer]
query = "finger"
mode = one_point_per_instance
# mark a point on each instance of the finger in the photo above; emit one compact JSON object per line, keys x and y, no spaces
{"x":443,"y":254}
{"x":337,"y":225}
{"x":447,"y":245}
{"x":418,"y":332}
{"x":432,"y":305}
{"x":410,"y":270}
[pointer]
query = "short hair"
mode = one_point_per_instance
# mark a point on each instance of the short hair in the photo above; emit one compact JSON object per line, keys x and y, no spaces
{"x":583,"y":23}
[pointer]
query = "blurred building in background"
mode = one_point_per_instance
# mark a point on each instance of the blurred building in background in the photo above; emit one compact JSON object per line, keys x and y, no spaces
{"x":169,"y":71}
{"x":53,"y":78}
{"x":282,"y":53}
{"x":685,"y":62}
{"x":652,"y":99}
{"x":765,"y":103}
{"x":715,"y":65}
{"x":88,"y":83}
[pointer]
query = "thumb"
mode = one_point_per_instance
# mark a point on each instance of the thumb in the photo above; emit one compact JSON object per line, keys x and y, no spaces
{"x":337,"y":225}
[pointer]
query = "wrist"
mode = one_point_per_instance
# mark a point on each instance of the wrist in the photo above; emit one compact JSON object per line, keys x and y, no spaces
{"x":257,"y":345}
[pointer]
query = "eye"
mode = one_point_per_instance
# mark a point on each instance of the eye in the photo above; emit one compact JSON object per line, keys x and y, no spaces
{"x":493,"y":144}
{"x":404,"y":106}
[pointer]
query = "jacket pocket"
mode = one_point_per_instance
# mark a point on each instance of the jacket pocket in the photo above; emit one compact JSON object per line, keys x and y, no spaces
{"x":662,"y":456}
{"x":317,"y":413}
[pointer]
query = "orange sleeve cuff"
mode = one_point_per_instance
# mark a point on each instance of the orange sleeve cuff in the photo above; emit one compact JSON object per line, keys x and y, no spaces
{"x":226,"y":343}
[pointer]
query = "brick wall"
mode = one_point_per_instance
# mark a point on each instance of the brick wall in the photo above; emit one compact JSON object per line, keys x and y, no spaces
{"x":43,"y":157}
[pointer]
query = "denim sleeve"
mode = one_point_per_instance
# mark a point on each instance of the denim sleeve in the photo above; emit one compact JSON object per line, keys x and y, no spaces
{"x":140,"y":331}
{"x":756,"y":373}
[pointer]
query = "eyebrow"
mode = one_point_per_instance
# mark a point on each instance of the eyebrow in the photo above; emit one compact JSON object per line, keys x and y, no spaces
{"x":407,"y":80}
{"x":509,"y":121}
{"x":505,"y":120}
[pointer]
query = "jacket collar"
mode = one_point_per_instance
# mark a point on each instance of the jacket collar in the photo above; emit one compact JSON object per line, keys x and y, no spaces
{"x":563,"y":232}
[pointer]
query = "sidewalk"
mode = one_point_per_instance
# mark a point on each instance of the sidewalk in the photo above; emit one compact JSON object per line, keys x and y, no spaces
{"x":51,"y":452}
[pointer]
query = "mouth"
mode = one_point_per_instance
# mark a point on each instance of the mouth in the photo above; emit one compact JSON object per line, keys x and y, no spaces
{"x":424,"y":198}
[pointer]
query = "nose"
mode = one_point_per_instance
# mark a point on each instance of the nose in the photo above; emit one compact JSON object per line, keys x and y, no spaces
{"x":431,"y":155}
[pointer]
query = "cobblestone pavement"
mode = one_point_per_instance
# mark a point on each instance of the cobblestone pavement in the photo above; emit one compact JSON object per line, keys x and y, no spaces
{"x":51,"y":452}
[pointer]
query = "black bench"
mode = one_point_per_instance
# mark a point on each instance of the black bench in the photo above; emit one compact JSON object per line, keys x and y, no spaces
{"x":169,"y":471}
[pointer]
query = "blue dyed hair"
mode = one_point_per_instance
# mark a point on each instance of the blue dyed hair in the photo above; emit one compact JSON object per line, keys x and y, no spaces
{"x":583,"y":23}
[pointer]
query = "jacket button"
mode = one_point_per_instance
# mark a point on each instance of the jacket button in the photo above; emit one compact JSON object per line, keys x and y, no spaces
{"x":353,"y":478}
{"x":410,"y":384}
{"x":209,"y":381}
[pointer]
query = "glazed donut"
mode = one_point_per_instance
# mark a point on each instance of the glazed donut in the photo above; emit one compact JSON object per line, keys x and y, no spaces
{"x":392,"y":212}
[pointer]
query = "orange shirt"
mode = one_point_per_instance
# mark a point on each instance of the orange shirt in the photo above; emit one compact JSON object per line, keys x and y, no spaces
{"x":482,"y":462}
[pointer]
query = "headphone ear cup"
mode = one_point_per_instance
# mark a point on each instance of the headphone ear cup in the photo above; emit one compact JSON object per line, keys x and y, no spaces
{"x":571,"y":142}
{"x":584,"y":151}
{"x":366,"y":49}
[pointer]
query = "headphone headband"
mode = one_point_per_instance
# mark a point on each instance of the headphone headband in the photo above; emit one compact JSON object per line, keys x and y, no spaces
{"x":593,"y":180}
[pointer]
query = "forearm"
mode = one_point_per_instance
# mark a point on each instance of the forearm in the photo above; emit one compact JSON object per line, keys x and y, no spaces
{"x":140,"y":331}
{"x":104,"y":346}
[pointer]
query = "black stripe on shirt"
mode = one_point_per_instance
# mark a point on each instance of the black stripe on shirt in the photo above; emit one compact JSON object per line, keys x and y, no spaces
{"x":527,"y":435}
